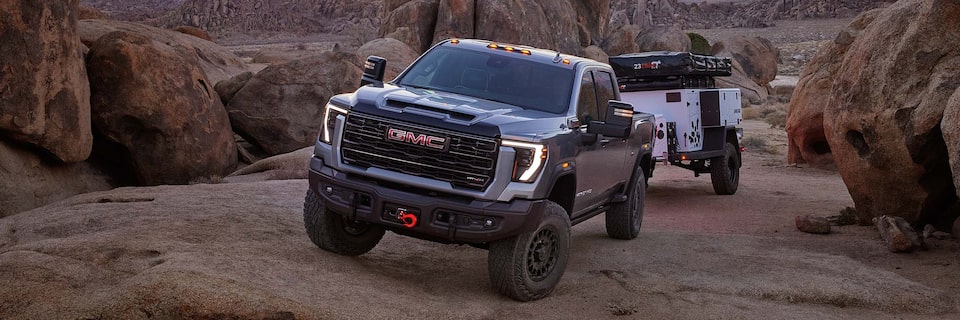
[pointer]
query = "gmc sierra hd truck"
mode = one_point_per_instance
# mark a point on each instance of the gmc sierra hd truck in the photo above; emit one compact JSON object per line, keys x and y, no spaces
{"x":497,"y":146}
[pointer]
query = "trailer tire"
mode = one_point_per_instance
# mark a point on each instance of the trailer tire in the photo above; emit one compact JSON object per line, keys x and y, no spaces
{"x":725,"y":171}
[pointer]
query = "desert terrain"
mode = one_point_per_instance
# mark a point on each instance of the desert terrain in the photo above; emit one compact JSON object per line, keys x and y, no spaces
{"x":238,"y":250}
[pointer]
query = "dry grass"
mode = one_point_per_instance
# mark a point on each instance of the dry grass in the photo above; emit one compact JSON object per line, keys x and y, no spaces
{"x":759,"y":144}
{"x":773,"y":114}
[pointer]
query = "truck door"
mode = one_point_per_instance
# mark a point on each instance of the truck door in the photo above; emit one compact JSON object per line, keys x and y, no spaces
{"x":599,"y":159}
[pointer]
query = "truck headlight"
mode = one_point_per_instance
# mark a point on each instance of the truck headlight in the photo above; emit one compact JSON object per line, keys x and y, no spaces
{"x":330,"y":113}
{"x":528,"y":161}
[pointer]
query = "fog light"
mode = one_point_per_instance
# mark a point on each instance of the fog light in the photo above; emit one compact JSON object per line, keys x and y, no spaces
{"x":488,"y":222}
{"x":328,"y":190}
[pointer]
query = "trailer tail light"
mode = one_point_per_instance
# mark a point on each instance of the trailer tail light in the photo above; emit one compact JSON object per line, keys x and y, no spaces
{"x":743,"y":149}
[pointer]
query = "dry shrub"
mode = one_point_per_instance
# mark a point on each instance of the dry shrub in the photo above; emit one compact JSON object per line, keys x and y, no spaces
{"x":759,"y":144}
{"x":773,"y":114}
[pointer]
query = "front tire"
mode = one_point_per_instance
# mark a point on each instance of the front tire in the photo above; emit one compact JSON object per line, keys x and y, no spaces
{"x":528,"y":266}
{"x":336,"y":233}
{"x":725,"y":171}
{"x":623,"y":220}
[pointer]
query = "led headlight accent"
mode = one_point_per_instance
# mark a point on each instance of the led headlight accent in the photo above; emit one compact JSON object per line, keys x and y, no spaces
{"x":529,"y":160}
{"x":330,"y":114}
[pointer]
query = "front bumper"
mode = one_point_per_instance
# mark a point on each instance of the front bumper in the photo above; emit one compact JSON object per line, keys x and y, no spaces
{"x":444,"y":218}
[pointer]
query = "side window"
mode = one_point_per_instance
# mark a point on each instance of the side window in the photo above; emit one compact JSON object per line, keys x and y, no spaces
{"x":587,"y":109}
{"x":605,"y":91}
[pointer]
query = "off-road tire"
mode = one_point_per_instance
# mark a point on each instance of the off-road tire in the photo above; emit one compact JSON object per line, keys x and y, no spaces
{"x":625,"y":218}
{"x":725,"y":171}
{"x":528,"y":266}
{"x":334,"y":233}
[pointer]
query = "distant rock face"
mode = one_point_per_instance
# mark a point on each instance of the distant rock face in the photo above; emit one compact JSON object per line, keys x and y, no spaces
{"x":157,"y":111}
{"x":398,"y":54}
{"x":90,"y":13}
{"x":887,"y":116}
{"x":28,"y":181}
{"x":663,"y":39}
{"x":217,"y":62}
{"x":44,"y":91}
{"x":279,"y":107}
{"x":807,"y":142}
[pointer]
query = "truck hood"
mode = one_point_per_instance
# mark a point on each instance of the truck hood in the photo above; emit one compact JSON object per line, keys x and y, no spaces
{"x":452,"y":111}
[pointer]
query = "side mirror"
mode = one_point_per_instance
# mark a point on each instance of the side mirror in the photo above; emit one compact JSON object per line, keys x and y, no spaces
{"x":619,"y":121}
{"x":373,"y":70}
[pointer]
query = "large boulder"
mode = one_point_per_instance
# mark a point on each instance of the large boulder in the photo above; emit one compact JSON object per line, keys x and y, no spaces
{"x":226,"y":89}
{"x":280,"y":107}
{"x":217,"y":62}
{"x":28,"y":181}
{"x":455,"y":19}
{"x":888,"y":112}
{"x":595,"y":53}
{"x":751,"y":91}
{"x":544,"y":24}
{"x":757,"y":56}
{"x":44,"y":91}
{"x":398,"y":54}
{"x":157,"y":111}
{"x":807,"y":142}
{"x":412,"y":23}
{"x":621,"y":40}
{"x":951,"y":135}
{"x":666,"y":38}
{"x":594,"y":17}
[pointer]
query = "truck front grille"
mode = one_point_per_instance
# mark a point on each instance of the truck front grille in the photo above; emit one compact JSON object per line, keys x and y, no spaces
{"x":466,"y":161}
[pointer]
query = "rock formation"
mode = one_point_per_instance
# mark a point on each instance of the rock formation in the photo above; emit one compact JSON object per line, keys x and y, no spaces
{"x":807,"y":141}
{"x":754,"y":66}
{"x":44,"y":91}
{"x":398,"y":55}
{"x":278,"y":108}
{"x":412,"y":23}
{"x":157,"y":111}
{"x":887,"y":113}
{"x":218,"y":63}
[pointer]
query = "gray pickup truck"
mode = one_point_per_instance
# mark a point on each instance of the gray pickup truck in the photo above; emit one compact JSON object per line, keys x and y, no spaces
{"x":498,"y":146}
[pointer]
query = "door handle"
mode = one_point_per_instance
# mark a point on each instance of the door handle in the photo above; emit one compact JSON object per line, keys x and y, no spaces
{"x":604,"y":141}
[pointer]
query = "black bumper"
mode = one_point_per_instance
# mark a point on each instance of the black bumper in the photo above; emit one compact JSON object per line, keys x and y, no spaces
{"x":449,"y":219}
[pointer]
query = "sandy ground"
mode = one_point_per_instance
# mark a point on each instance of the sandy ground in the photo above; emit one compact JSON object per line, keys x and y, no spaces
{"x":238,"y":250}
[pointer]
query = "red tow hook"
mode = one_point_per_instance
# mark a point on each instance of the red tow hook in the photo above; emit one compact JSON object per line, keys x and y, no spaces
{"x":409,"y":220}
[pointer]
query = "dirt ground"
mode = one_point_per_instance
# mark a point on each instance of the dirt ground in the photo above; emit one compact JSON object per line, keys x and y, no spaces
{"x":238,"y":250}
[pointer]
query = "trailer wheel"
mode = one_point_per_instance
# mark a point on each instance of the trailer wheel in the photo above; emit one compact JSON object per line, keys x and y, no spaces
{"x":527,"y":267}
{"x":725,"y":171}
{"x":336,"y":233}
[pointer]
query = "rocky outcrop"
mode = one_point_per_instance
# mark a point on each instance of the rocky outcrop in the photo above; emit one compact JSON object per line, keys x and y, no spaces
{"x":226,"y":89}
{"x":595,"y":53}
{"x":807,"y":142}
{"x":622,"y":40}
{"x":754,"y":65}
{"x":157,"y":111}
{"x":90,"y":13}
{"x":543,"y":24}
{"x":292,"y":165}
{"x":594,"y":17}
{"x":398,"y":55}
{"x":217,"y":62}
{"x":663,"y":39}
{"x":412,"y":23}
{"x":738,"y":14}
{"x":296,"y":93}
{"x":757,"y":56}
{"x":44,"y":91}
{"x":456,"y":19}
{"x":885,"y":119}
{"x":194,"y":31}
{"x":951,"y":136}
{"x":28,"y":181}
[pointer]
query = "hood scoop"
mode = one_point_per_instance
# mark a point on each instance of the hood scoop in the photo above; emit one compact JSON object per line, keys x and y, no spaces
{"x":434,"y":111}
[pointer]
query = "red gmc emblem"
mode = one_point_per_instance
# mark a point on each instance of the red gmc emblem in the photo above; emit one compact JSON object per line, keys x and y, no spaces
{"x":417,"y":138}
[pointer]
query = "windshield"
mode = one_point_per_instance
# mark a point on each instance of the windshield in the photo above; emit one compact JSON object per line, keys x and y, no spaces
{"x":494,"y":76}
